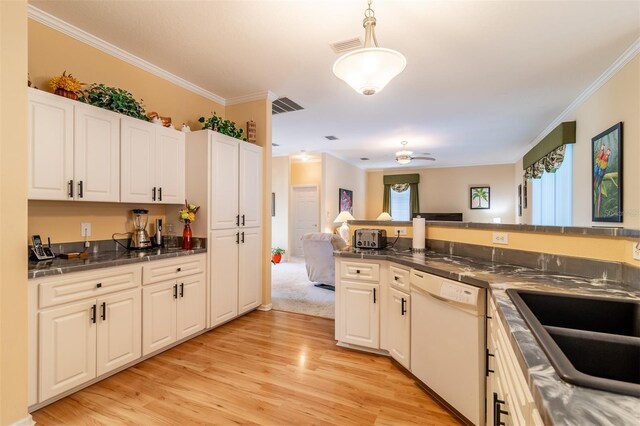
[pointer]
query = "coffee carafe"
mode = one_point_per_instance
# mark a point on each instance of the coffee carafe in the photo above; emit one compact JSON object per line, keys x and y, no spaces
{"x":140,"y":239}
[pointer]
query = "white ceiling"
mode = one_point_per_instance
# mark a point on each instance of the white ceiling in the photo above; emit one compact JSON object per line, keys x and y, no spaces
{"x":483,"y":78}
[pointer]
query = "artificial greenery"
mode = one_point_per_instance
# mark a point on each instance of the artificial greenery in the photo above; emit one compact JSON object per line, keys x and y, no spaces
{"x":114,"y":99}
{"x":218,"y":124}
{"x":66,"y":82}
{"x":277,"y":250}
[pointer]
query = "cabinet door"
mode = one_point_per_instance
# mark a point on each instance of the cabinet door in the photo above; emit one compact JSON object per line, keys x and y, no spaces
{"x":191,"y":315}
{"x":399,"y":326}
{"x":67,"y":346}
{"x":250,"y":202}
{"x":223,"y":252}
{"x":249,"y":270}
{"x":170,"y":165}
{"x":50,"y":146}
{"x":224,"y":182}
{"x":158,"y":316}
{"x":360,"y":313}
{"x":119,"y":330}
{"x":96,"y":154}
{"x":137,"y":161}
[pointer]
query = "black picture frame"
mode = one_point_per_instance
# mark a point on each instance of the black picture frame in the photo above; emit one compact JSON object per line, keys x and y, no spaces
{"x":345,"y":200}
{"x":273,"y":204}
{"x":607,"y":175}
{"x":520,"y":200}
{"x":480,"y":197}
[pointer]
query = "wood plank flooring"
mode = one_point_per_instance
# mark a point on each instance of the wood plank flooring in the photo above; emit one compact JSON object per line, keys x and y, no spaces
{"x":267,"y":368}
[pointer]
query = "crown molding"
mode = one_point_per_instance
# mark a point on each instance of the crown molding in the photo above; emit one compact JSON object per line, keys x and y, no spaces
{"x":83,"y":36}
{"x":257,"y":96}
{"x":619,"y":63}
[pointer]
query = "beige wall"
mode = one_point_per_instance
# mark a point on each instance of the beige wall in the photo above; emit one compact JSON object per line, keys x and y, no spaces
{"x":339,"y":174}
{"x":446,"y":190}
{"x":306,"y":173}
{"x":280,"y":186}
{"x":13,"y":205}
{"x":618,"y":100}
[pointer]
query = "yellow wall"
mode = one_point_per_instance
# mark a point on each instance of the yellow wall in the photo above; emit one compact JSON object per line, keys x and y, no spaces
{"x":446,"y":190}
{"x":13,"y":205}
{"x":338,"y":174}
{"x":306,"y":173}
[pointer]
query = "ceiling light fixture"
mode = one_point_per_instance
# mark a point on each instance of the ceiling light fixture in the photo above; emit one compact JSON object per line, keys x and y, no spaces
{"x":370,"y":68}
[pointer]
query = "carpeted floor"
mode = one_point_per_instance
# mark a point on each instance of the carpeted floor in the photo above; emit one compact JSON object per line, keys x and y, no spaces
{"x":291,"y":291}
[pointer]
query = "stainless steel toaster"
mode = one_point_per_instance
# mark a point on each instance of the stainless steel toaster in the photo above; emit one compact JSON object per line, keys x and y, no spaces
{"x":370,"y":238}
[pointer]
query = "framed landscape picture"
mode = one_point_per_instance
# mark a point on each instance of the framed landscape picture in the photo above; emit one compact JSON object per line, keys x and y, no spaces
{"x":606,"y":177}
{"x":345,"y":198}
{"x":479,"y":197}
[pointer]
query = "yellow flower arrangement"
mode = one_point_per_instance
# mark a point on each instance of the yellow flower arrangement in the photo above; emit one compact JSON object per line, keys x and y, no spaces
{"x":66,"y":82}
{"x":188,"y":213}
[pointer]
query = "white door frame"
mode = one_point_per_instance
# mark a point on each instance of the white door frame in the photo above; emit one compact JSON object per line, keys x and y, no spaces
{"x":291,"y":218}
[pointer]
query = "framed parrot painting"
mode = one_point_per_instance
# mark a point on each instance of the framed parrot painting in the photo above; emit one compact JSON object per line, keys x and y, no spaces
{"x":606,"y":179}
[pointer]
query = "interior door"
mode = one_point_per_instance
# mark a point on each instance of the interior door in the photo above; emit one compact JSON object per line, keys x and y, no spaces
{"x":223,"y":252}
{"x":304,"y":215}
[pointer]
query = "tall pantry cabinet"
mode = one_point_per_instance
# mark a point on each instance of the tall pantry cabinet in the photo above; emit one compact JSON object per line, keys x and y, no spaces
{"x":224,"y":176}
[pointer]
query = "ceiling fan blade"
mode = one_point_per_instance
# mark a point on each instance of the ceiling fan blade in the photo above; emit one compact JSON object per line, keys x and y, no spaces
{"x":423,"y":158}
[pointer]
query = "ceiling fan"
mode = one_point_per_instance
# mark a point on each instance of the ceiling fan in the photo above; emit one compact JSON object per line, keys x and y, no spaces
{"x":405,"y":156}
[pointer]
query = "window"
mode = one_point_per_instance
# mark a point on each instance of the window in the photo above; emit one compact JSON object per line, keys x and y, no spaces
{"x":401,"y":204}
{"x":552,"y":194}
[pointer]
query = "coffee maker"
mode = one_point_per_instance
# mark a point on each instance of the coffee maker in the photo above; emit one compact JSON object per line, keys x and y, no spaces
{"x":140,"y":239}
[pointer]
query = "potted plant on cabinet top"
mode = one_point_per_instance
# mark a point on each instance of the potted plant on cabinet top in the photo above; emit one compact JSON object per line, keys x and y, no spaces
{"x":276,"y":254}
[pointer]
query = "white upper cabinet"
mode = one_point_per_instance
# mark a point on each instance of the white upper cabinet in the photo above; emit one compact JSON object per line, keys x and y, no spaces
{"x":152,"y":163}
{"x":50,"y":146}
{"x":250,"y":183}
{"x":96,"y":154}
{"x":224,"y":182}
{"x":74,"y":150}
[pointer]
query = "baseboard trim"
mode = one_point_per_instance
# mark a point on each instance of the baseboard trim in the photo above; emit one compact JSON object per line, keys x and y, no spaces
{"x":27,"y":421}
{"x":363,"y":349}
{"x":266,"y":307}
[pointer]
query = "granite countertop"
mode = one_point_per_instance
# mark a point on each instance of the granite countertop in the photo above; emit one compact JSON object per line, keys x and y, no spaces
{"x":102,"y":259}
{"x":559,"y":403}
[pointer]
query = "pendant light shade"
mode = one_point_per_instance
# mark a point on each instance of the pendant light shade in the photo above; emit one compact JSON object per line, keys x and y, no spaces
{"x":370,"y":68}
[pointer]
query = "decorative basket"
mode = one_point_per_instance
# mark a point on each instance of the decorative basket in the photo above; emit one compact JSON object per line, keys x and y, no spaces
{"x":66,"y":94}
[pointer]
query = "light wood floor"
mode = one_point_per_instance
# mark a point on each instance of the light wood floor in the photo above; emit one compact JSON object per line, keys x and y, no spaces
{"x":269,"y":368}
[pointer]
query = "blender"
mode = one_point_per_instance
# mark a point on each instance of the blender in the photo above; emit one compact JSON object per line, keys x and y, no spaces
{"x":140,"y":239}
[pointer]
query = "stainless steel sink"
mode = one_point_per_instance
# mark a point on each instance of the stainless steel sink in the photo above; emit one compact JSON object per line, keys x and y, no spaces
{"x":590,"y":341}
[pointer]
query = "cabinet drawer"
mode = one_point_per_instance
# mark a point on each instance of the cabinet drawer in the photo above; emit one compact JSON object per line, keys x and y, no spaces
{"x":399,"y":278}
{"x":360,"y":271}
{"x":81,"y":285}
{"x":171,"y":269}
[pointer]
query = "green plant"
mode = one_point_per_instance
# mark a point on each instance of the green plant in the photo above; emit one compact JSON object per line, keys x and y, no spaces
{"x":277,"y":250}
{"x":220,"y":125}
{"x":114,"y":99}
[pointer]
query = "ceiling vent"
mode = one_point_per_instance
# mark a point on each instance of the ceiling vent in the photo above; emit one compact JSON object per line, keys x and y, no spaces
{"x":331,"y":138}
{"x":364,"y":158}
{"x":282,"y":105}
{"x":346,"y":45}
{"x":275,"y":144}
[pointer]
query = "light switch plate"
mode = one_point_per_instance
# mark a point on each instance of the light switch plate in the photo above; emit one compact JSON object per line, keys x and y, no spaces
{"x":500,"y":238}
{"x":85,"y":229}
{"x":636,"y":251}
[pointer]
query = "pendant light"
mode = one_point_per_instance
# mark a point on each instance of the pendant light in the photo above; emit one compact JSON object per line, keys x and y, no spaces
{"x":370,"y":68}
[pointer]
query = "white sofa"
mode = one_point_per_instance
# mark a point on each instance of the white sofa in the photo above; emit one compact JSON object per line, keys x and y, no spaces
{"x":318,"y":250}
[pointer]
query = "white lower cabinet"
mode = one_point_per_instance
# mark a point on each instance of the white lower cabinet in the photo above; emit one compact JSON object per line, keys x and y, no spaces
{"x":398,"y":318}
{"x":236,"y":286}
{"x":172,"y":310}
{"x":83,"y":340}
{"x":360,"y":313}
{"x":509,"y":400}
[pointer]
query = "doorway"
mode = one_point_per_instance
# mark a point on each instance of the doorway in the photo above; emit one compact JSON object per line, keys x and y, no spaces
{"x":305,"y":211}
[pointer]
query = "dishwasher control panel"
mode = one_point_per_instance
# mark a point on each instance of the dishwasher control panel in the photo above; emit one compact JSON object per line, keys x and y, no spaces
{"x":458,"y":293}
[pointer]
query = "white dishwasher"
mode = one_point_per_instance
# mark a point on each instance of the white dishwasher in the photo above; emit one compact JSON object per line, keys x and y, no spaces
{"x":448,"y":341}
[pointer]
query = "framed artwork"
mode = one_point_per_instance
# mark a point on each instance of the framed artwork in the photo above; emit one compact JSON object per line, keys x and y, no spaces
{"x":479,"y":197}
{"x":273,"y":204}
{"x":606,"y":178}
{"x":345,"y":200}
{"x":520,"y":200}
{"x":524,"y":193}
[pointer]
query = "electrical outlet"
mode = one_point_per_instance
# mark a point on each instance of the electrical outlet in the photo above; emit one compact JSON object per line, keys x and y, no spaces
{"x":85,"y":229}
{"x":500,"y":238}
{"x":636,"y":251}
{"x":400,"y":231}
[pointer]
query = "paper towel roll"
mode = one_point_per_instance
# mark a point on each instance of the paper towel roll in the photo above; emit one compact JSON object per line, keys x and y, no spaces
{"x":418,"y":234}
